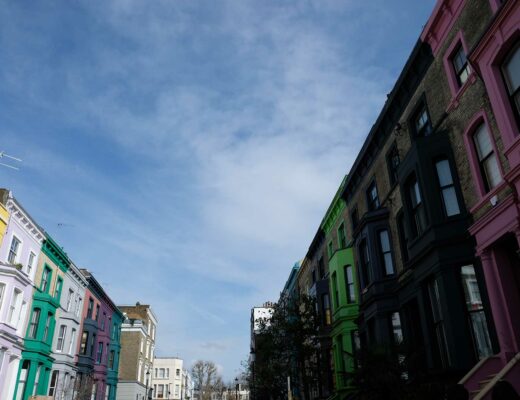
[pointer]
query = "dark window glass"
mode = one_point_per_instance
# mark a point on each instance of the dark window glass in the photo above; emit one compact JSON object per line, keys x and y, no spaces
{"x":393,"y":162}
{"x":84,"y":341}
{"x":372,"y":197}
{"x":421,"y":121}
{"x":99,"y":356}
{"x":349,"y":284}
{"x":321,"y":267}
{"x":90,"y":308}
{"x":364,"y":255}
{"x":403,"y":238}
{"x":354,"y":217}
{"x":13,"y":250}
{"x":460,"y":65}
{"x":476,"y":315}
{"x":386,"y":252}
{"x":438,"y":322}
{"x":325,"y":304}
{"x":46,"y":277}
{"x":335,"y":289}
{"x":47,"y":327}
{"x":447,"y":188}
{"x":342,"y":238}
{"x":511,"y":70}
{"x":418,"y":212}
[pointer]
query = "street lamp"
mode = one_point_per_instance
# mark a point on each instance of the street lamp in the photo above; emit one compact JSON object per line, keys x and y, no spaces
{"x":147,"y":378}
{"x":236,"y":388}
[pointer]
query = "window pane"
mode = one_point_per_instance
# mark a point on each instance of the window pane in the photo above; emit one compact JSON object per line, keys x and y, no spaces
{"x":451,"y":204}
{"x":389,"y":265}
{"x":512,"y":71}
{"x":385,"y":242}
{"x":482,"y":142}
{"x":481,"y":334}
{"x":444,"y":173}
{"x":396,"y":328}
{"x":491,"y":170}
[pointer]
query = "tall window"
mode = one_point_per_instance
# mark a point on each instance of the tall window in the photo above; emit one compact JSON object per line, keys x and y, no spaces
{"x":511,"y":70}
{"x":419,"y":215}
{"x":393,"y":161}
{"x":438,"y":322}
{"x":69,"y":299}
{"x":30,"y":263}
{"x":421,"y":121}
{"x":2,"y":291}
{"x":72,"y":340}
{"x":403,"y":237}
{"x":103,"y":320}
{"x":14,"y":308}
{"x":84,"y":343}
{"x":364,"y":256}
{"x":330,"y":249}
{"x":486,"y":157}
{"x":54,"y":382}
{"x":449,"y":196}
{"x":33,"y":324}
{"x":354,"y":218}
{"x":161,"y":372}
{"x":475,"y":309}
{"x":342,"y":238}
{"x":90,"y":308}
{"x":22,"y":380}
{"x":46,"y":276}
{"x":37,"y":380}
{"x":97,"y":312}
{"x":335,"y":289}
{"x":77,"y":304}
{"x":397,"y":331}
{"x":57,"y":290}
{"x":460,"y":65}
{"x":372,"y":197}
{"x":13,"y":250}
{"x":111,"y":357}
{"x":47,"y":327}
{"x":92,"y":344}
{"x":61,"y":338}
{"x":349,"y":284}
{"x":386,"y":252}
{"x":325,"y":303}
{"x":99,"y":355}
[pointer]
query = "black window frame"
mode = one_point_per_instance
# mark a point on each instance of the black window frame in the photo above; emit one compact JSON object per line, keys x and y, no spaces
{"x":383,"y":252}
{"x":364,"y":263}
{"x":465,"y":67}
{"x":391,"y":165}
{"x":416,"y":209}
{"x":444,"y":188}
{"x":514,"y":106}
{"x":354,"y":217}
{"x":372,"y":203}
{"x":427,"y":128}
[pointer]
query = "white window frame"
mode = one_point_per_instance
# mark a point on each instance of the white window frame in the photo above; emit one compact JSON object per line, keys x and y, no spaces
{"x":62,"y":333}
{"x":18,"y":250}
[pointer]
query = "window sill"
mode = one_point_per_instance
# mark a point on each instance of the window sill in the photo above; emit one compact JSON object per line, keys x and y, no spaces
{"x":487,"y":197}
{"x":454,"y":103}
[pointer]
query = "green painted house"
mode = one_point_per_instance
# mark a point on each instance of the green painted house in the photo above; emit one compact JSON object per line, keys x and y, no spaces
{"x":36,"y":364}
{"x":344,"y":295}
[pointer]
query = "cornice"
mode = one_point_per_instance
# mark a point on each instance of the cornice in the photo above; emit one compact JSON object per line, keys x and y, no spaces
{"x":51,"y":249}
{"x":24,"y":220}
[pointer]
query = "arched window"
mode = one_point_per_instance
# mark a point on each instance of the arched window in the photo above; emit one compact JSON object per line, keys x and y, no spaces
{"x":511,"y":71}
{"x":486,"y":157}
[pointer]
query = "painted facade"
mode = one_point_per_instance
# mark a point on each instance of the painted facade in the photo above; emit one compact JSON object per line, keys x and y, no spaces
{"x":137,"y":352}
{"x":96,"y":368}
{"x":4,"y":220}
{"x":343,"y":295}
{"x":19,"y":256}
{"x":67,"y":334}
{"x":36,"y":364}
{"x":168,"y":378}
{"x":495,"y":56}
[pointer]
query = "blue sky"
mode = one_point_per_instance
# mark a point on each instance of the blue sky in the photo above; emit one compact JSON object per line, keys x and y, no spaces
{"x":190,"y":148}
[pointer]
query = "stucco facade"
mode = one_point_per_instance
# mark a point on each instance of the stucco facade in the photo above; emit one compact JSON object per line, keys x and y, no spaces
{"x":19,"y":257}
{"x":67,"y":334}
{"x":168,"y":378}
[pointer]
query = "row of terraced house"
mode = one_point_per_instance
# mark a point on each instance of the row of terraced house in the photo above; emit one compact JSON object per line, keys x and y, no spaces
{"x":61,"y":336}
{"x":420,"y":244}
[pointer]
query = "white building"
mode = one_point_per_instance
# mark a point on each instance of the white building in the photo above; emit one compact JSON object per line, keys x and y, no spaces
{"x":169,"y":379}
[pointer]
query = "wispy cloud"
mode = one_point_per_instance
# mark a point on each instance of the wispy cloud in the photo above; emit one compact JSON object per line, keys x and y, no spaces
{"x":193,"y":146}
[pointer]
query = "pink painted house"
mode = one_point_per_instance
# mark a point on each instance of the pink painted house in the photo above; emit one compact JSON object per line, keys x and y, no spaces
{"x":496,"y":227}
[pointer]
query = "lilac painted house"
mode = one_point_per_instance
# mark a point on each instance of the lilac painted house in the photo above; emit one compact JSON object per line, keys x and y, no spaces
{"x":19,"y":253}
